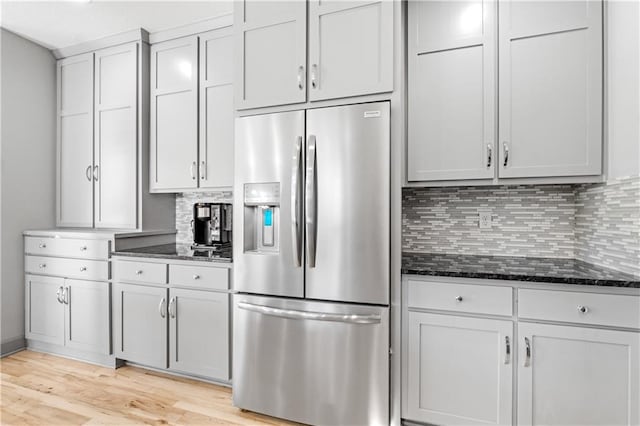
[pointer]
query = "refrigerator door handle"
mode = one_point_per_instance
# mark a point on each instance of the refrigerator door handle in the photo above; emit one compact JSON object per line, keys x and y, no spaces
{"x":296,"y":181}
{"x":311,"y":201}
{"x":306,"y":315}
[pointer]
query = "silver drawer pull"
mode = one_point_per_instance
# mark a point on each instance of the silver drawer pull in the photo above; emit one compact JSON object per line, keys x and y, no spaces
{"x":583,"y":309}
{"x":43,"y":245}
{"x":527,"y":351}
{"x":507,"y":349}
{"x":139,"y":272}
{"x":83,"y":248}
{"x":196,"y":276}
{"x":314,"y":316}
{"x":458,"y":299}
{"x":42,"y":265}
{"x":83,"y":268}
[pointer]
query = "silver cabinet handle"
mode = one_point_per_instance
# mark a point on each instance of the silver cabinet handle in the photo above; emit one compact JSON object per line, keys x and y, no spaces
{"x":296,"y":199}
{"x":83,"y":268}
{"x":507,"y":350}
{"x":83,"y":248}
{"x":489,"y":155}
{"x":96,"y":173}
{"x":459,"y":299}
{"x":203,"y":170}
{"x":42,"y":265}
{"x":527,"y":351}
{"x":43,"y":245}
{"x":505,"y":148}
{"x":87,"y":173}
{"x":65,"y":295}
{"x":583,"y":309}
{"x":196,"y":277}
{"x":311,"y":202}
{"x":301,"y":77}
{"x":172,"y":307}
{"x":161,"y":308}
{"x":139,"y":272}
{"x":192,"y":170}
{"x":58,"y":294}
{"x":306,"y":315}
{"x":314,"y":72}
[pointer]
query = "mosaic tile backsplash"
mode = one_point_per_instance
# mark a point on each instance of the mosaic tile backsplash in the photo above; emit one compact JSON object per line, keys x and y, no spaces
{"x":597,"y":223}
{"x":184,"y":210}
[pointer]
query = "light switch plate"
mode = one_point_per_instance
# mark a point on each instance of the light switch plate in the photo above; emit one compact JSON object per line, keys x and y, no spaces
{"x":484,"y":220}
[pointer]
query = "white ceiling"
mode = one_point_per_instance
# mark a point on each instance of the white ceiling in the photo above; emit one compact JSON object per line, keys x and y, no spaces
{"x":57,"y":24}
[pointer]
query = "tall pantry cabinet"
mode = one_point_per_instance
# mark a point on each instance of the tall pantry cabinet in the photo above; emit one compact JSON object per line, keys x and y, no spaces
{"x":102,"y":136}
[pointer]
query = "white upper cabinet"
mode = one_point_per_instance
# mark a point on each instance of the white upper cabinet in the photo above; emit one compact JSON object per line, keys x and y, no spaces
{"x":115,"y":137}
{"x":350,"y":48}
{"x":550,"y":75}
{"x":75,"y":146}
{"x":174,"y":114}
{"x":271,"y":53}
{"x":452,"y":90}
{"x":216,"y":109}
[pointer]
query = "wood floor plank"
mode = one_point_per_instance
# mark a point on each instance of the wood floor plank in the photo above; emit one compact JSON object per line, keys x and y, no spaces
{"x":42,"y":389}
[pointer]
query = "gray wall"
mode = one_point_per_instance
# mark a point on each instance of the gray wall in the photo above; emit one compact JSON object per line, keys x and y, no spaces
{"x":27,"y":167}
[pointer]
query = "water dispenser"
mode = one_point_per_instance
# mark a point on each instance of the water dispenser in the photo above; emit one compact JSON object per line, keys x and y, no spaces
{"x":262,"y":217}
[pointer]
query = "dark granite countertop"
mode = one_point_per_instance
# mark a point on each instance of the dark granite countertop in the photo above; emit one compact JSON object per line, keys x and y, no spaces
{"x":179,"y":251}
{"x":548,"y":270}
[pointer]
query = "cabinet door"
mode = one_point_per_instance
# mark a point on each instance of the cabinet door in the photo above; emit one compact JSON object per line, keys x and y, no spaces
{"x":174,"y":115}
{"x":452,"y":90}
{"x":199,"y":333}
{"x":44,"y":309}
{"x":459,"y":370}
{"x":75,"y":141}
{"x":87,"y":316}
{"x":350,"y":48}
{"x":577,"y":376}
{"x":140,"y":324}
{"x":270,"y":43}
{"x":550,"y":88}
{"x":216,"y":109}
{"x":116,"y":139}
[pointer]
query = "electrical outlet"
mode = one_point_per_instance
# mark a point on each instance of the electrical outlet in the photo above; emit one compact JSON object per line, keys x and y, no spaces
{"x":484,"y":220}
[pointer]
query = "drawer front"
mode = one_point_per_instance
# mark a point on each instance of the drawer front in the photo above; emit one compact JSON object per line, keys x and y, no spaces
{"x":476,"y":299}
{"x":210,"y":278}
{"x":143,"y":272}
{"x":69,"y":268}
{"x":585,"y":308}
{"x":67,"y":247}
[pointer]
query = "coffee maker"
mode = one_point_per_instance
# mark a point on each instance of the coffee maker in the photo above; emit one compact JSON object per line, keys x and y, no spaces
{"x":211,"y":224}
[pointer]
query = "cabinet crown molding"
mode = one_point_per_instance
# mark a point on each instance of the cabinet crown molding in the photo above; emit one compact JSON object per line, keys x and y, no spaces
{"x":139,"y":34}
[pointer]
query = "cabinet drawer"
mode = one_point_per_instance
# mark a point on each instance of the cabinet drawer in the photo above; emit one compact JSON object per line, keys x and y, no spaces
{"x":210,"y":278}
{"x":67,"y":247}
{"x":584,"y":308}
{"x":69,"y":268}
{"x":476,"y":299}
{"x":144,"y":272}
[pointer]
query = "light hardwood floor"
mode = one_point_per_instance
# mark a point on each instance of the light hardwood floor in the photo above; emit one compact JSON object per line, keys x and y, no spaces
{"x":38,"y":388}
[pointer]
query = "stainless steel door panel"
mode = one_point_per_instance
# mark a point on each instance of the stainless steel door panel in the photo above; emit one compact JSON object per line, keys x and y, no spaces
{"x":350,"y":202}
{"x":312,"y":362}
{"x":264,"y":151}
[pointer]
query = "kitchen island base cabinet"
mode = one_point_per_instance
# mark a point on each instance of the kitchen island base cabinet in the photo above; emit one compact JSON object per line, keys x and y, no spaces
{"x":459,"y":370}
{"x":577,"y":375}
{"x":140,"y":324}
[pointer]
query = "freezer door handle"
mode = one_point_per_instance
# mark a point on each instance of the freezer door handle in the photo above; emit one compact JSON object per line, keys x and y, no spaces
{"x":296,"y":181}
{"x":313,"y":316}
{"x":311,"y":201}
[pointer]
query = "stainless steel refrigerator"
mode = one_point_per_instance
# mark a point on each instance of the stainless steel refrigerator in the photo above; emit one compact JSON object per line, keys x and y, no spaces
{"x":311,"y":264}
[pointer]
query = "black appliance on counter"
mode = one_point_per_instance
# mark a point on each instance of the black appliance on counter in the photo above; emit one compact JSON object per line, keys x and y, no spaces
{"x":211,"y":225}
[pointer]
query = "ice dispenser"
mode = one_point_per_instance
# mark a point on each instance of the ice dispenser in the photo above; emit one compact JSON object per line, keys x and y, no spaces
{"x":261,"y":217}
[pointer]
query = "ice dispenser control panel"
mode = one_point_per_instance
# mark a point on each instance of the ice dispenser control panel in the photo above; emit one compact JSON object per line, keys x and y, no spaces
{"x":262,"y":217}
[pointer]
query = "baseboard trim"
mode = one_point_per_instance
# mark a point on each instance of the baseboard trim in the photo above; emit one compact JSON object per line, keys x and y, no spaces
{"x":12,"y":346}
{"x":92,"y":358}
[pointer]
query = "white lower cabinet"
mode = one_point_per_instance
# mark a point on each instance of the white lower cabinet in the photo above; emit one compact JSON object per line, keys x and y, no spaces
{"x":70,"y":313}
{"x":459,"y":370}
{"x":164,"y":325}
{"x":577,"y":375}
